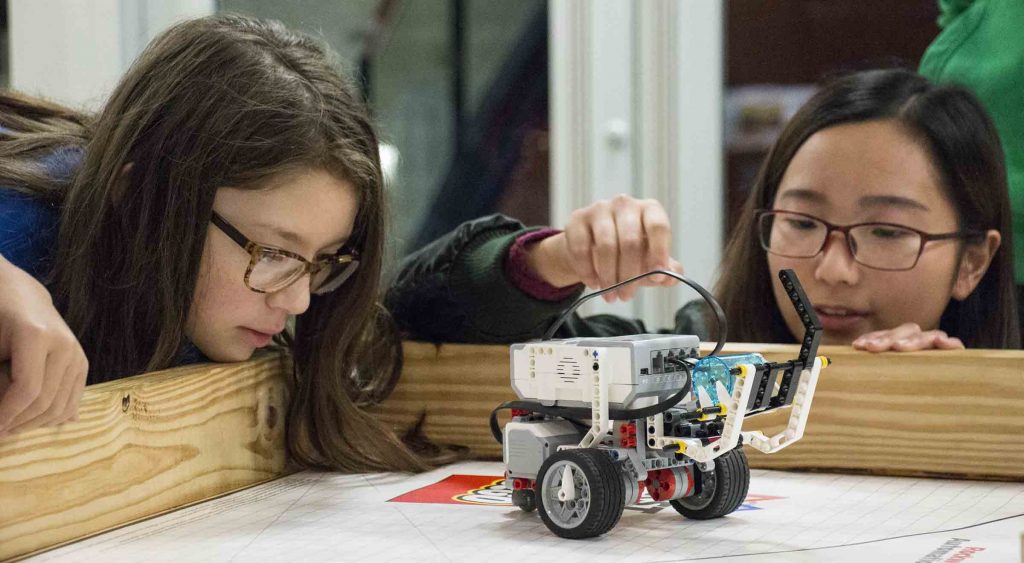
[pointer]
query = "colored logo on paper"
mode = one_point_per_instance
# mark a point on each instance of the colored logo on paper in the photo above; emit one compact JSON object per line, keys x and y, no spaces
{"x":489,"y":490}
{"x":485,"y":490}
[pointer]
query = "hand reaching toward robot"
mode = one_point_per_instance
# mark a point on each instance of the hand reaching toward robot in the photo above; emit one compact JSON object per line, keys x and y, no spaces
{"x":607,"y":242}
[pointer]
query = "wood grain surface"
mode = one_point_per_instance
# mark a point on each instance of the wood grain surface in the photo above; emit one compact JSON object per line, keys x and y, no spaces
{"x":143,"y":446}
{"x":153,"y":443}
{"x":939,"y":413}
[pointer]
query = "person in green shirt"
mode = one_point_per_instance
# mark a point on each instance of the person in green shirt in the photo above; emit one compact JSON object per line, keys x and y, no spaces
{"x":981,"y":47}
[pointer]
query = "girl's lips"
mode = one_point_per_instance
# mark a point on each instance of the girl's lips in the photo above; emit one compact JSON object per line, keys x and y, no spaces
{"x":838,"y":319}
{"x":257,"y":339}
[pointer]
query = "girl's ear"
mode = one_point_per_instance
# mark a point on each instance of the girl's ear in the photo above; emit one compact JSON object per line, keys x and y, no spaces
{"x":974,"y":263}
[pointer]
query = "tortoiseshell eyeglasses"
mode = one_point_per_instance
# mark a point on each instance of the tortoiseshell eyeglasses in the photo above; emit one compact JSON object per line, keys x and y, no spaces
{"x":273,"y":269}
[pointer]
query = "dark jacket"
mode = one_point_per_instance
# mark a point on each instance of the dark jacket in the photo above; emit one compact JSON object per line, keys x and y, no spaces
{"x":456,"y":290}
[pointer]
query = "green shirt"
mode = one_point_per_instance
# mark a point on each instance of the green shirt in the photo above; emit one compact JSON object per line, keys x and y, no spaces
{"x":981,"y":47}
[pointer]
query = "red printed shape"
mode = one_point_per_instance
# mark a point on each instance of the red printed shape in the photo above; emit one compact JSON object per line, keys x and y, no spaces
{"x":486,"y":490}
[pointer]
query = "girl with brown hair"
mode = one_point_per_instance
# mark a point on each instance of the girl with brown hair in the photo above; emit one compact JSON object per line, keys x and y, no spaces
{"x":232,"y":181}
{"x":228,"y":141}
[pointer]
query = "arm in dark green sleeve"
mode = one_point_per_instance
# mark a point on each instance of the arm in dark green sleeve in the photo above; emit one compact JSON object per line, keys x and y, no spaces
{"x":456,"y":290}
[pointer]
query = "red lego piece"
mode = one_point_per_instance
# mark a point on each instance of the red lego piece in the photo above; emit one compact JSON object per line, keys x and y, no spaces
{"x":628,"y":435}
{"x":664,"y":484}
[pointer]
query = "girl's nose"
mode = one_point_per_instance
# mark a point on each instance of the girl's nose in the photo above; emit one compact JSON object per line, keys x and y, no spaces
{"x":294,"y":299}
{"x":836,"y":264}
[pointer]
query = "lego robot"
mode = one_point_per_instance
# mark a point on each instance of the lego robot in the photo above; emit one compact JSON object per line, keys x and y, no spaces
{"x":600,"y":419}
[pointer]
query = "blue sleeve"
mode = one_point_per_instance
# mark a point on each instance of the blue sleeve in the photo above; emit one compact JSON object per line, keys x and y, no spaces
{"x":28,"y":231}
{"x":29,"y":224}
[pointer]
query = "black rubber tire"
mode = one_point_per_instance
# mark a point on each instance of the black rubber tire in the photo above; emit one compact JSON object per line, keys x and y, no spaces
{"x":525,"y":500}
{"x":606,"y":493}
{"x":730,"y":481}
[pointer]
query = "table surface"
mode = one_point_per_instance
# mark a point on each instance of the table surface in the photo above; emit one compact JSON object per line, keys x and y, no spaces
{"x":462,"y":513}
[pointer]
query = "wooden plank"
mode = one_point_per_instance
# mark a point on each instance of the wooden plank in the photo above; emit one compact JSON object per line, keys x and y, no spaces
{"x":941,"y":413}
{"x":143,"y":446}
{"x":153,"y":443}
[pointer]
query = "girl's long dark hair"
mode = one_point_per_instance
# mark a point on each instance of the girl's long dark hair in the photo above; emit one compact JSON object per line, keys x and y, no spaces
{"x":218,"y":101}
{"x":962,"y":141}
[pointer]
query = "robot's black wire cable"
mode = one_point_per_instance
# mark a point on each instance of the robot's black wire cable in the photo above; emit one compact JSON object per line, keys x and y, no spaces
{"x":719,"y":313}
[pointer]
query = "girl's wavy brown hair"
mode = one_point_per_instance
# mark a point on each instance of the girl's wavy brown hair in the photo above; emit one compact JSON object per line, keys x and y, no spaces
{"x":218,"y":101}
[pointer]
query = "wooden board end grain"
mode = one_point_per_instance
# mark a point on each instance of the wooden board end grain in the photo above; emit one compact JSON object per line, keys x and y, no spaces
{"x":143,"y":446}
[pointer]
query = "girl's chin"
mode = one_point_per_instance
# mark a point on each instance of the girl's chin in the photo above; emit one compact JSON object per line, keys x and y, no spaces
{"x":830,"y":337}
{"x":229,"y":354}
{"x":841,"y":331}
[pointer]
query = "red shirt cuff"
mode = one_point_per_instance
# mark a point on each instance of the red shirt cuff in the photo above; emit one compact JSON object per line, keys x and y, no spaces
{"x":523,"y":277}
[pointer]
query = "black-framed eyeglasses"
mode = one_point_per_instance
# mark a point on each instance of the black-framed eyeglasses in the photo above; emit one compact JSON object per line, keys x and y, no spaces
{"x":882,"y":246}
{"x":273,"y":269}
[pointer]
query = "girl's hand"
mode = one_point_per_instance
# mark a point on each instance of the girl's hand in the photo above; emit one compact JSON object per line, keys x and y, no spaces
{"x":608,"y":242}
{"x":907,"y":338}
{"x":47,"y":368}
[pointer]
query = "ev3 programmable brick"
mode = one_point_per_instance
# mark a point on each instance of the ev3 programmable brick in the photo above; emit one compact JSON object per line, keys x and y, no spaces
{"x":641,"y":367}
